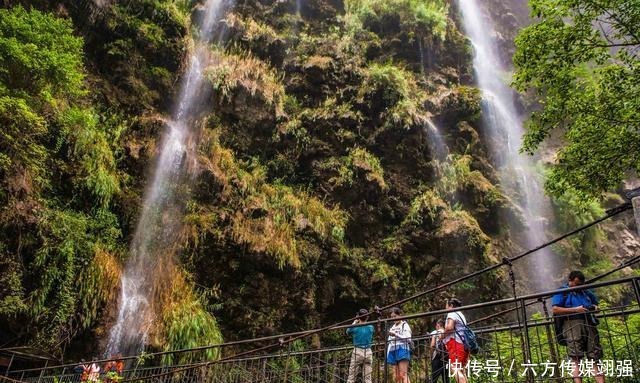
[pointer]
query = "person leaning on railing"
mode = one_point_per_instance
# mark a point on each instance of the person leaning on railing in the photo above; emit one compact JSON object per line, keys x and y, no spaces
{"x":580,"y":324}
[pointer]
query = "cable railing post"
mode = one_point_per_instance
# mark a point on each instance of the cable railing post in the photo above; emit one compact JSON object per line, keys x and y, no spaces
{"x":550,"y":336}
{"x":9,"y":365}
{"x":628,"y":337}
{"x":527,"y":341}
{"x":384,"y":351}
{"x":636,"y":289}
{"x":42,"y":371}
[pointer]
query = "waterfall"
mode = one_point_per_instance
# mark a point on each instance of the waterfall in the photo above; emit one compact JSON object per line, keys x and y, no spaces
{"x":504,"y":127}
{"x":438,"y":147}
{"x":152,"y":250}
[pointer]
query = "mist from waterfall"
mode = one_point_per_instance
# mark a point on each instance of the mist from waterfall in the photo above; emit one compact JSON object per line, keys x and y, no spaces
{"x":503,"y":125}
{"x":151,"y":260}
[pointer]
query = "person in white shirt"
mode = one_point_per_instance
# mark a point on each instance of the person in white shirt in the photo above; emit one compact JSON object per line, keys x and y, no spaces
{"x":439,"y":357}
{"x":399,"y":351}
{"x":453,"y":333}
{"x":94,"y":372}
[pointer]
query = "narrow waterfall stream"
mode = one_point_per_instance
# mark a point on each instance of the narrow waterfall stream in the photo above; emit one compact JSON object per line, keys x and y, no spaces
{"x":153,"y":247}
{"x":503,"y":124}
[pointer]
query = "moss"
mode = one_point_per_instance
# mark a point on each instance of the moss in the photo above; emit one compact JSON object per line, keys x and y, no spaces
{"x":98,"y":285}
{"x":231,"y":74}
{"x":396,"y":91}
{"x":415,"y":17}
{"x":348,"y":168}
{"x":425,"y":208}
{"x":461,"y":103}
{"x":186,"y":323}
{"x":269,"y":217}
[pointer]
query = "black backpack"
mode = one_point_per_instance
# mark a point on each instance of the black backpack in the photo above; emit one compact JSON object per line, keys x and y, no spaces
{"x":558,"y":322}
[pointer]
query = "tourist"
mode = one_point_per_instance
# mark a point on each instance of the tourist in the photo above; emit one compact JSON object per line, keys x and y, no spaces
{"x":110,"y":370}
{"x":83,"y":370}
{"x":439,"y":356}
{"x":119,"y":364}
{"x":94,"y":371}
{"x":453,"y":332}
{"x":361,"y":356}
{"x":399,"y":351}
{"x":580,"y":324}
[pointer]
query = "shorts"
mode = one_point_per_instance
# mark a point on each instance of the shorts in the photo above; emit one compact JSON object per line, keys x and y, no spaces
{"x":397,"y":355}
{"x":457,"y":353}
{"x":582,"y":339}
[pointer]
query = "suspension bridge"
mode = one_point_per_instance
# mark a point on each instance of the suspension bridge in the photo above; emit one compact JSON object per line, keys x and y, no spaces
{"x":517,"y":343}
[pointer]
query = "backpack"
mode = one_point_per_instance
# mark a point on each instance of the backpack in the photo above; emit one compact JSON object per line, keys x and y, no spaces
{"x":410,"y":342}
{"x":558,"y":322}
{"x":469,"y":339}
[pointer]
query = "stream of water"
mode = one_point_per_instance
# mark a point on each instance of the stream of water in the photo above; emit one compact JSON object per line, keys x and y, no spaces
{"x":503,"y":124}
{"x":155,"y":240}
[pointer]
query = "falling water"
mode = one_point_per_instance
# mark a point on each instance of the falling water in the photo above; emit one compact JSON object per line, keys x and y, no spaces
{"x":149,"y":265}
{"x":438,"y":146}
{"x":504,"y":125}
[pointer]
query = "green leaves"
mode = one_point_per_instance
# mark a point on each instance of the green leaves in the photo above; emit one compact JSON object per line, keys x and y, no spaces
{"x":39,"y":54}
{"x":416,"y":16}
{"x":57,"y":178}
{"x":579,"y":58}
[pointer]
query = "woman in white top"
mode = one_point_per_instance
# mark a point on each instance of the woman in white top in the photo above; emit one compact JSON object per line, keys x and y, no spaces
{"x":399,"y":351}
{"x":453,"y":332}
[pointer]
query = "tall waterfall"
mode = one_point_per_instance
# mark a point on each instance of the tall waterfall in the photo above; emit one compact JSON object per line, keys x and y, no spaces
{"x":503,"y":124}
{"x":148,"y":268}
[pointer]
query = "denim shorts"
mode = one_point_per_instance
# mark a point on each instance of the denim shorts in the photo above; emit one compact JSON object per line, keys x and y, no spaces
{"x":395,"y":356}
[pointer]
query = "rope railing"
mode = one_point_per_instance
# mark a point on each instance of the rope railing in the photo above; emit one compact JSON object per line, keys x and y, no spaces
{"x":309,"y":364}
{"x":434,"y":313}
{"x":288,"y":338}
{"x":337,"y":357}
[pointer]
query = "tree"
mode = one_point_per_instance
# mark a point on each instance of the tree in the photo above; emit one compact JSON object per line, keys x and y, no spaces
{"x":581,"y":58}
{"x":57,"y":177}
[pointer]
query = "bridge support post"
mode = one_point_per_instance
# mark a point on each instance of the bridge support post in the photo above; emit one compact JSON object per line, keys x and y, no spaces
{"x":42,"y":371}
{"x":9,"y":366}
{"x":634,"y":196}
{"x":527,"y":341}
{"x":636,"y":289}
{"x":384,"y":351}
{"x":550,"y":337}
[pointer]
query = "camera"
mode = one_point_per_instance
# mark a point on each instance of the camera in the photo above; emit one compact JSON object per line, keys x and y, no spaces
{"x":591,"y":308}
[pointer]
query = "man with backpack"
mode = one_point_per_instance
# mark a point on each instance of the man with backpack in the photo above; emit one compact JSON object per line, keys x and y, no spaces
{"x":579,"y":325}
{"x":454,"y":330}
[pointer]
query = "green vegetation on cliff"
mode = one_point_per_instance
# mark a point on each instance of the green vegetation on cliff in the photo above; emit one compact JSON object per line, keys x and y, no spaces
{"x":58,"y":178}
{"x":315,"y":187}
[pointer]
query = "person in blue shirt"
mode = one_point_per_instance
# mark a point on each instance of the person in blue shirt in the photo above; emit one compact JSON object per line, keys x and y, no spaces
{"x":580,"y":325}
{"x":361,"y":356}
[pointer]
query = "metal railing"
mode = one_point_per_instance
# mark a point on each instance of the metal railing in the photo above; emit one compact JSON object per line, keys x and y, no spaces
{"x":520,"y":350}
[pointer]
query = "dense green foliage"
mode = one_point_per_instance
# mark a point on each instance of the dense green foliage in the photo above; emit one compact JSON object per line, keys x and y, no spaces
{"x":315,"y":188}
{"x":58,"y":178}
{"x":581,"y":57}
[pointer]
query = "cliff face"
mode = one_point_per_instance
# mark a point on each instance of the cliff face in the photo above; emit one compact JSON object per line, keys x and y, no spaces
{"x":321,"y":185}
